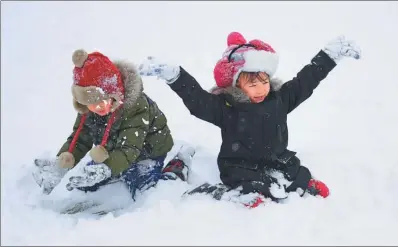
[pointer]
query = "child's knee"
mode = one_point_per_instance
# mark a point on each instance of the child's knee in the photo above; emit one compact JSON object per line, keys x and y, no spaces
{"x":301,"y":180}
{"x":140,"y":178}
{"x":296,"y":173}
{"x":291,"y":168}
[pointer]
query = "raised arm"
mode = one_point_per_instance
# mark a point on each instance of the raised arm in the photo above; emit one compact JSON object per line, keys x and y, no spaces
{"x":301,"y":87}
{"x":200,"y":103}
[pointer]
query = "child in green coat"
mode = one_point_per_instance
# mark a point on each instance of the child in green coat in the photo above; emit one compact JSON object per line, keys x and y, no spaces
{"x":117,"y":124}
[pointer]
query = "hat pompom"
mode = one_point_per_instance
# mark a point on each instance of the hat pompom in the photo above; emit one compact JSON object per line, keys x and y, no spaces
{"x":79,"y":57}
{"x":235,"y":38}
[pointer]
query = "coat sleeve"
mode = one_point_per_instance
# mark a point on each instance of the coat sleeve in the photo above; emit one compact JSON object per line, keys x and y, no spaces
{"x":200,"y":103}
{"x":301,"y":87}
{"x":84,"y":142}
{"x":130,"y":140}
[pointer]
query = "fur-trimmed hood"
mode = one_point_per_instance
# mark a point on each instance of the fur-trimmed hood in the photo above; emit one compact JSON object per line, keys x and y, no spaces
{"x":132,"y":81}
{"x":238,"y":95}
{"x":133,"y":88}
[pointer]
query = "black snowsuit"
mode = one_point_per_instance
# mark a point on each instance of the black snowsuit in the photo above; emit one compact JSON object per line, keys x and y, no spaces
{"x":255,"y":136}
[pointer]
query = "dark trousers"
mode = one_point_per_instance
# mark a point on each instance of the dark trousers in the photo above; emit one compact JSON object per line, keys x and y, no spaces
{"x":259,"y":180}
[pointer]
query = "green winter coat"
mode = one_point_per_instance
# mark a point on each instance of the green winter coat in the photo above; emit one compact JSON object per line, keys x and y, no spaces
{"x":139,"y":132}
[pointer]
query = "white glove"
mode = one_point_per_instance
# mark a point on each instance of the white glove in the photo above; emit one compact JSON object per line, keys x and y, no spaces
{"x":150,"y":67}
{"x":48,"y":174}
{"x":92,"y":174}
{"x":340,"y":47}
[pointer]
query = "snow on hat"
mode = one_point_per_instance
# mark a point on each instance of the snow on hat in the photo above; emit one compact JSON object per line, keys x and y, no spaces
{"x":255,"y":56}
{"x":96,"y":78}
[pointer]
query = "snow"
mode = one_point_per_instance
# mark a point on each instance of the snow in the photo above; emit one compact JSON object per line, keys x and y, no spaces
{"x":345,"y":133}
{"x":110,"y":80}
{"x":145,"y":121}
{"x":98,"y":89}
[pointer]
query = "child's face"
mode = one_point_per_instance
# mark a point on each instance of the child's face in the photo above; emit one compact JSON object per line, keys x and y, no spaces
{"x":103,"y":108}
{"x":255,"y":85}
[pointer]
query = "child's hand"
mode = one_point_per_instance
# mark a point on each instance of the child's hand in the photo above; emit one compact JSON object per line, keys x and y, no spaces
{"x":340,"y":47}
{"x":43,"y":163}
{"x":150,"y":67}
{"x":66,"y":160}
{"x":99,"y":154}
{"x":93,"y":174}
{"x":48,"y":174}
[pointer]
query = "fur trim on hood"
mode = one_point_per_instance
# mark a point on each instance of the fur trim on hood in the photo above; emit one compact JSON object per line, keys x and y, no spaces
{"x":238,"y":95}
{"x":132,"y":81}
{"x":133,"y":88}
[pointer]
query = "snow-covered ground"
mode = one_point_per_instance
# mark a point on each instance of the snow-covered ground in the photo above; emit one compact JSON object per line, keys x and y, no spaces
{"x":346,"y":133}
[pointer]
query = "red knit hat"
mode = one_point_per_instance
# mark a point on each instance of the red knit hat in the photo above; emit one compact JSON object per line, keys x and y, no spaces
{"x":255,"y":56}
{"x":95,"y":78}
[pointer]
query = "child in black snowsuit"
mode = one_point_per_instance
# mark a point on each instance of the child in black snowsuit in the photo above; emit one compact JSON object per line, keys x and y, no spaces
{"x":251,"y":110}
